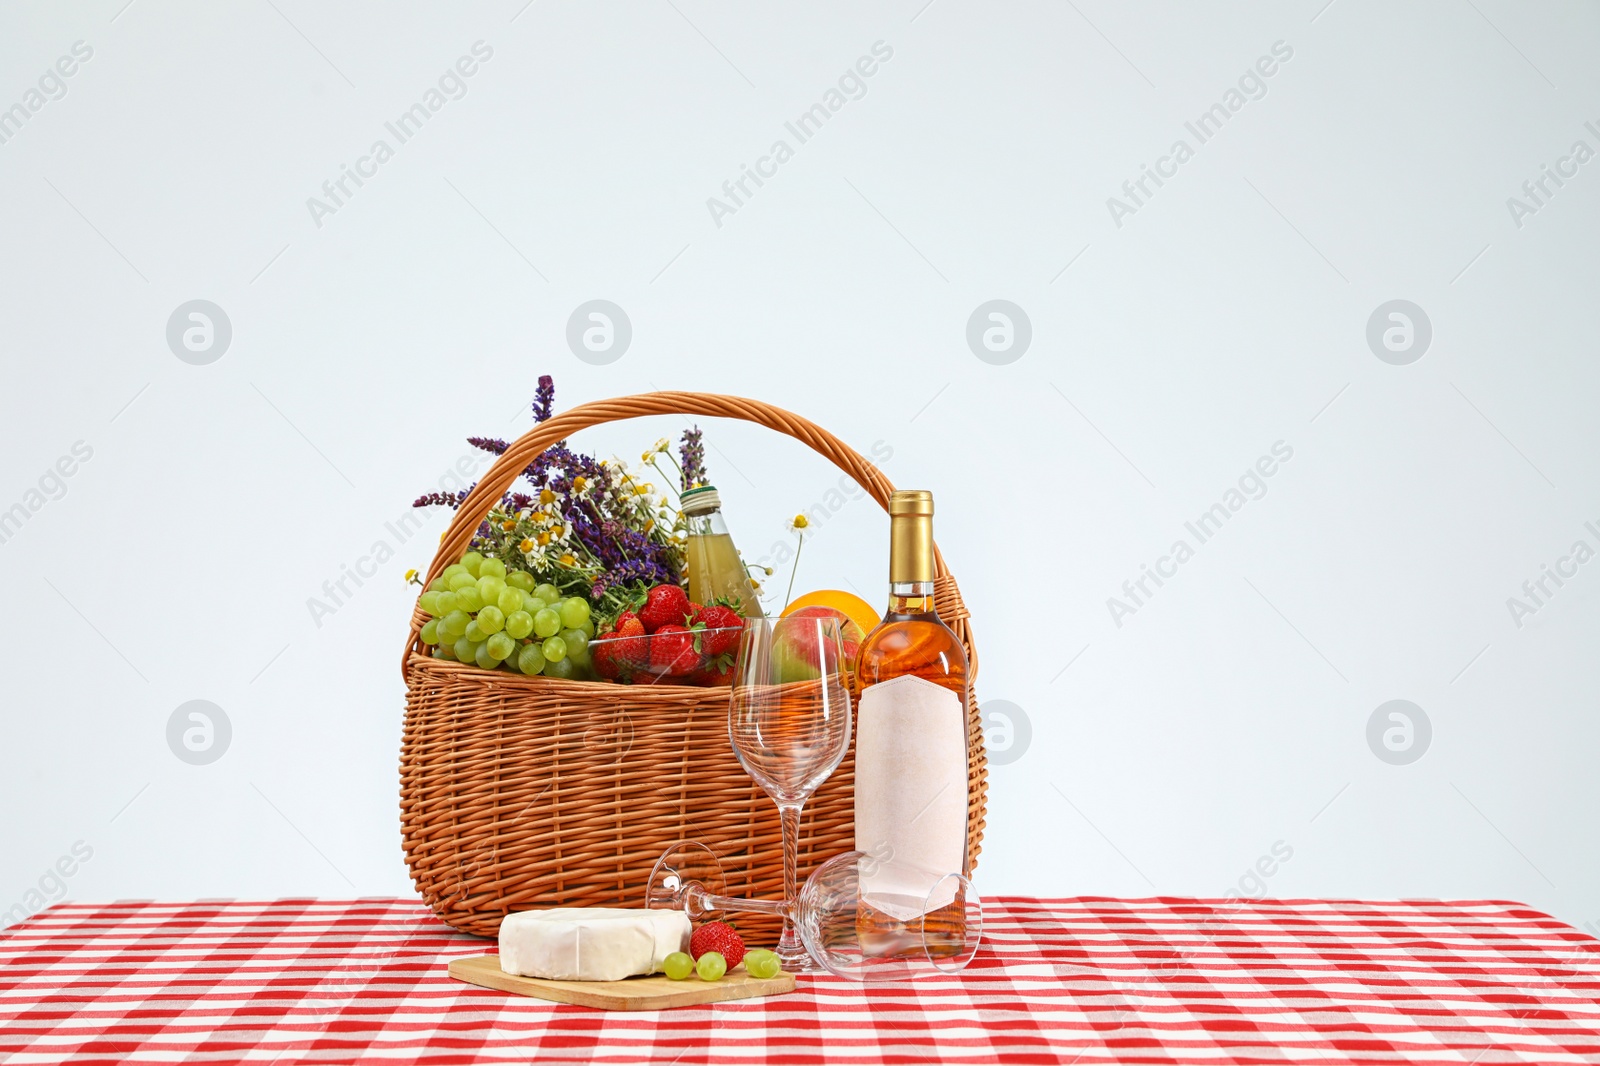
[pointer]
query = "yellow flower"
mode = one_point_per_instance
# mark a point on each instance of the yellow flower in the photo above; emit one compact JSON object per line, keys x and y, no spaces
{"x":526,"y":545}
{"x":800,"y":522}
{"x":544,"y":537}
{"x":568,"y":560}
{"x":546,"y":497}
{"x":411,"y":576}
{"x":508,"y":525}
{"x":644,"y":490}
{"x":579,"y":484}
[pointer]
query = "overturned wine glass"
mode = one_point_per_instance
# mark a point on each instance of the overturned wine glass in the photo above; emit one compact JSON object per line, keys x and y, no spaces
{"x":867,"y":917}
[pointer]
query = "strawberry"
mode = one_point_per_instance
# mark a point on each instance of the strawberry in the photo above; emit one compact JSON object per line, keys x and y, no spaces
{"x":673,"y":650}
{"x":717,"y":672}
{"x":631,"y":653}
{"x":628,"y":625}
{"x":605,"y":662}
{"x":664,"y":604}
{"x":720,"y":937}
{"x":724,"y":619}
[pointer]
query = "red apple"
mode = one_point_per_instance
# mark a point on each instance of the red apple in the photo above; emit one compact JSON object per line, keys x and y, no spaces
{"x":795,"y":638}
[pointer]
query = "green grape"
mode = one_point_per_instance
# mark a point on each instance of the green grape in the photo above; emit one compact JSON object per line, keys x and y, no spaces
{"x":489,"y":588}
{"x":468,"y":599}
{"x":588,"y":628}
{"x":510,"y":599}
{"x":492,"y":568}
{"x":677,"y":966}
{"x":554,"y":649}
{"x":462,"y":580}
{"x":472,"y":560}
{"x":576,"y":642}
{"x":520,"y":579}
{"x":451,"y":571}
{"x":454,"y":625}
{"x":466,"y":650}
{"x":430,"y":631}
{"x":500,"y":646}
{"x":445,"y":650}
{"x":519,"y":624}
{"x":532,"y":604}
{"x":446,"y":602}
{"x":530,"y":660}
{"x":762,"y":963}
{"x":429,"y":602}
{"x":574,"y":612}
{"x":491,"y":620}
{"x":438,"y":584}
{"x":475,"y":632}
{"x":546,"y":623}
{"x":711,"y":966}
{"x":562,"y":668}
{"x":548,"y":593}
{"x":484,"y":659}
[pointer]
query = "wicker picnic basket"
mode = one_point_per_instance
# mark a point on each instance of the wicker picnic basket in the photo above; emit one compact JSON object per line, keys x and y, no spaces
{"x":520,"y":792}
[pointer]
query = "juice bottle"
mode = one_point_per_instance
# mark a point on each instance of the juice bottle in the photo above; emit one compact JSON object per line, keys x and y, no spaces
{"x":715,"y":570}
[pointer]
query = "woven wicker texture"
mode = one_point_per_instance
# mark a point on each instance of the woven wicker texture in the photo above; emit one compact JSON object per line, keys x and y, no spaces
{"x":520,"y":792}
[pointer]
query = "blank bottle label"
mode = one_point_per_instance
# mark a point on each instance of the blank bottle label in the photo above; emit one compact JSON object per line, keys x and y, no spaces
{"x":911,"y":792}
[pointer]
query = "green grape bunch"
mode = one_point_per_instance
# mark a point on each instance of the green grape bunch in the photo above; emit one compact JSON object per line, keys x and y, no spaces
{"x":481,"y":615}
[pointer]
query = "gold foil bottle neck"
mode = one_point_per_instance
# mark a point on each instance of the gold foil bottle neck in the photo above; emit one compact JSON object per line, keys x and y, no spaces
{"x":911,"y":535}
{"x":910,"y":502}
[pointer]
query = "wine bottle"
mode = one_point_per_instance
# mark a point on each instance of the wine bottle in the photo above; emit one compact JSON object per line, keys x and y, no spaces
{"x":713,"y":564}
{"x":911,"y":732}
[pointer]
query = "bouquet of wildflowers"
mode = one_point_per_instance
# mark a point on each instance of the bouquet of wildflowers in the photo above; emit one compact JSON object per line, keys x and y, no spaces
{"x":590,"y":527}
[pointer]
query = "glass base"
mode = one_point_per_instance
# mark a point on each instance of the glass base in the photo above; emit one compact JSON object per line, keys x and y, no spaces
{"x":682,"y":877}
{"x":796,"y":959}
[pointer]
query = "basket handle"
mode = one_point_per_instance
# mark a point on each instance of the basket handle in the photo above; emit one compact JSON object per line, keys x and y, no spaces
{"x":516,"y":458}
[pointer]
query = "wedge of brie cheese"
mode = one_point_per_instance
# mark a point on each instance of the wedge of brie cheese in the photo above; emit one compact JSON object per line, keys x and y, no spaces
{"x":590,"y":943}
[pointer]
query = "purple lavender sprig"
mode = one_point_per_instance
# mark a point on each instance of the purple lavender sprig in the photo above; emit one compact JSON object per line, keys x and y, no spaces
{"x":544,"y":399}
{"x":451,"y":500}
{"x":693,"y":455}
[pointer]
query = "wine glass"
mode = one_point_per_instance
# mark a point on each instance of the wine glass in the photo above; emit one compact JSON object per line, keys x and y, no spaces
{"x":932,"y":922}
{"x":789,"y":722}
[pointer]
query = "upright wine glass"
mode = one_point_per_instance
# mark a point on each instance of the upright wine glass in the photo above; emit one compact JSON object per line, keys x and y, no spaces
{"x":789,"y":722}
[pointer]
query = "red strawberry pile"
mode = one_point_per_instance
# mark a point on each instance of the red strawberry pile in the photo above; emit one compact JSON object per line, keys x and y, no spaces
{"x":668,"y":638}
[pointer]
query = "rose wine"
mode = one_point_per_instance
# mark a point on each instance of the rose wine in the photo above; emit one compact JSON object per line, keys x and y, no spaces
{"x":911,"y":744}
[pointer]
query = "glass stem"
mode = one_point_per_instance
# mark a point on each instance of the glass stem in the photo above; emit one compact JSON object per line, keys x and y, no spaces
{"x":705,"y":902}
{"x":790,"y":950}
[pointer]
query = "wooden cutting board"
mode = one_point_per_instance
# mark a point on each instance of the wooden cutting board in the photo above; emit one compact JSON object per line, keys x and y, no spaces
{"x":655,"y":992}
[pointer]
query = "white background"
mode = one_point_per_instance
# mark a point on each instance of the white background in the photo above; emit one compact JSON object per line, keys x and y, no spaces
{"x":1228,"y":312}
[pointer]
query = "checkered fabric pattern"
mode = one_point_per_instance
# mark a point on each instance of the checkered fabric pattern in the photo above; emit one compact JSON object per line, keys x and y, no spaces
{"x":1072,"y":981}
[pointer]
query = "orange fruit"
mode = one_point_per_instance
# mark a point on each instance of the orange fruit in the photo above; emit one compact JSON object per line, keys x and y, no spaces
{"x":848,"y":604}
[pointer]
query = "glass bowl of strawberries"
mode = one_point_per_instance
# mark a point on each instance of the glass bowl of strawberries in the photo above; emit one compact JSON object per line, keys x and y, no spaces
{"x":669,"y":640}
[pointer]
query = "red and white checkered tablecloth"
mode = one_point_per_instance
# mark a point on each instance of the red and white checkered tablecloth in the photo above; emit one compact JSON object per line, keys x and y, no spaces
{"x":1080,"y":981}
